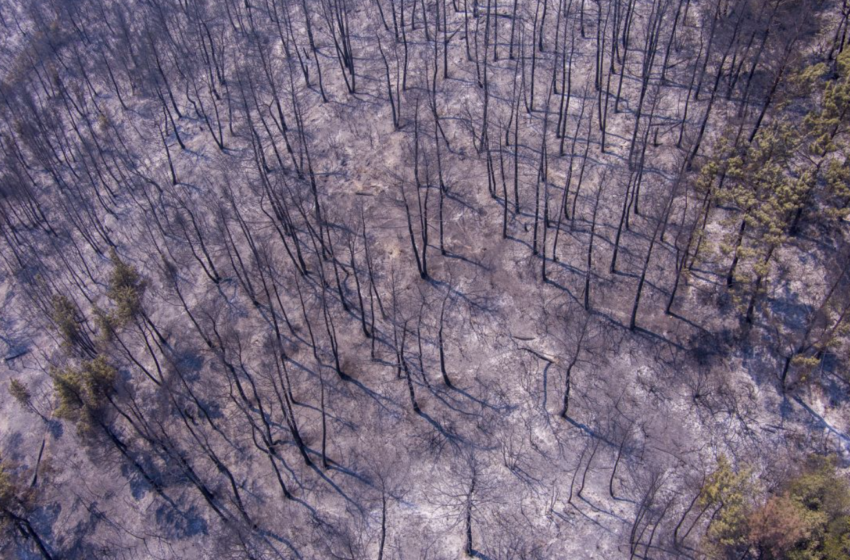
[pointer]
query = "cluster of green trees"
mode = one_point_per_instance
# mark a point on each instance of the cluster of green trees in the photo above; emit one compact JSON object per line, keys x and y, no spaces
{"x":805,"y":517}
{"x":760,"y":187}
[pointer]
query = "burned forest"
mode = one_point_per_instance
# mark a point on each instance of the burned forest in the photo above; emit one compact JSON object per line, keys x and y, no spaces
{"x":425,"y":279}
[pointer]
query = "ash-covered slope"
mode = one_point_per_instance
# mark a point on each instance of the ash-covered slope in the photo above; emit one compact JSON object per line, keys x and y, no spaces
{"x":423,"y":279}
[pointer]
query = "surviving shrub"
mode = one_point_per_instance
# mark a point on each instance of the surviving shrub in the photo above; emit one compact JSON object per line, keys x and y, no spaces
{"x":125,"y":289}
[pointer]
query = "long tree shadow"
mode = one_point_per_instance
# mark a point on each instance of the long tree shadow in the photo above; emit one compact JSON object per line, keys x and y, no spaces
{"x":592,"y":520}
{"x":484,"y":404}
{"x":267,"y":534}
{"x":690,"y":323}
{"x":457,"y":256}
{"x":641,"y":331}
{"x":374,"y":395}
{"x":451,"y":437}
{"x":821,"y":421}
{"x":473,"y":303}
{"x":337,"y":489}
{"x":596,"y":508}
{"x":563,"y":288}
{"x":590,"y":432}
{"x":451,"y":404}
